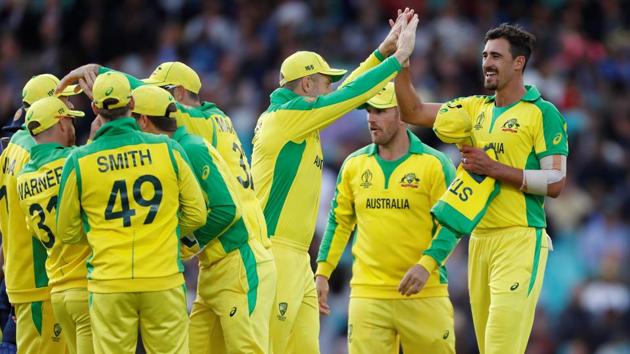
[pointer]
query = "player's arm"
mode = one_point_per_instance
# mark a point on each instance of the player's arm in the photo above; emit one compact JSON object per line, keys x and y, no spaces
{"x":223,"y":210}
{"x":309,"y":114}
{"x":192,"y":206}
{"x":341,"y":223}
{"x":412,"y":109}
{"x":69,"y":221}
{"x":443,"y":240}
{"x":385,"y":49}
{"x":551,"y":149}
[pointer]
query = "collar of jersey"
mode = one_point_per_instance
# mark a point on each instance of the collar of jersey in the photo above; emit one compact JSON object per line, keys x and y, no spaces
{"x":39,"y":149}
{"x":415,"y":145}
{"x":531,"y":94}
{"x":180,"y":133}
{"x":44,"y":151}
{"x":282,"y":95}
{"x":117,"y":126}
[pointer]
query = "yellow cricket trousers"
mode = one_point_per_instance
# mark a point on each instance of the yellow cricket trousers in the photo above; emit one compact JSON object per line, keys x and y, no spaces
{"x":295,"y":316}
{"x":37,"y":331}
{"x":72,"y":312}
{"x":161,"y":315}
{"x":423,"y":325}
{"x":233,"y":304}
{"x":505,"y":275}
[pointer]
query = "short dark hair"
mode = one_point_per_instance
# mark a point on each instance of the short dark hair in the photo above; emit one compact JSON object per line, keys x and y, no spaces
{"x":114,"y":113}
{"x":521,"y":41}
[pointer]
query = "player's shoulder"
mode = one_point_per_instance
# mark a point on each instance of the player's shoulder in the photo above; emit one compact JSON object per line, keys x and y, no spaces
{"x":440,"y":160}
{"x":547,"y":109}
{"x":358,"y":156}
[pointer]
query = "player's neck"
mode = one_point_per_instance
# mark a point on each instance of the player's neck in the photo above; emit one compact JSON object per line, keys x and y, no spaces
{"x":511,"y":93}
{"x":396,"y":148}
{"x":190,"y":103}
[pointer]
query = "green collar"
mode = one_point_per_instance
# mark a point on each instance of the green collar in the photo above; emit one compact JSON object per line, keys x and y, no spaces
{"x":282,"y":95}
{"x":415,"y":145}
{"x":531,"y":94}
{"x":43,"y":150}
{"x":117,"y":126}
{"x":180,"y":133}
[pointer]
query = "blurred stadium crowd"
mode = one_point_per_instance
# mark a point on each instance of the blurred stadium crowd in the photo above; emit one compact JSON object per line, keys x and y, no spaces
{"x":581,"y":64}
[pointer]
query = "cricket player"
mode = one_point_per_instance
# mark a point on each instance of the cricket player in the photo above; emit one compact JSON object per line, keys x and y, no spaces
{"x":131,"y":195}
{"x":24,"y":255}
{"x":287,"y":167}
{"x":237,"y":277}
{"x":200,"y":118}
{"x":50,"y":124}
{"x":399,"y":285}
{"x":508,"y":249}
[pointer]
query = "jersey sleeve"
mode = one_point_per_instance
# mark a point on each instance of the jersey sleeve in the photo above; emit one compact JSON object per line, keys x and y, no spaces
{"x":223,"y":211}
{"x":312,"y":114}
{"x":471,"y":104}
{"x":134,"y":82}
{"x":69,"y":213}
{"x":550,"y":138}
{"x":192,"y":206}
{"x":341,"y":223}
{"x":373,"y":60}
{"x":444,"y":241}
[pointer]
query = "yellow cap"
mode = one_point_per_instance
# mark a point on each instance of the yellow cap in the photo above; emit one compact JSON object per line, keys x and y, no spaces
{"x":301,"y":64}
{"x":111,"y":85}
{"x":151,"y":101}
{"x":385,"y":98}
{"x":175,"y":73}
{"x":452,"y":124}
{"x":47,"y":112}
{"x":44,"y":85}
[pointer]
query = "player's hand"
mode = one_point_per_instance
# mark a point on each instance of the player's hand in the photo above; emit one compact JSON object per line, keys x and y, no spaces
{"x":388,"y":46}
{"x":414,"y":281}
{"x":476,"y":160}
{"x":83,"y":75}
{"x":321,"y":283}
{"x":406,"y":39}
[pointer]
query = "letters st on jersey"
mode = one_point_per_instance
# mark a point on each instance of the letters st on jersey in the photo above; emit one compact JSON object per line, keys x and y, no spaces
{"x":132,"y":178}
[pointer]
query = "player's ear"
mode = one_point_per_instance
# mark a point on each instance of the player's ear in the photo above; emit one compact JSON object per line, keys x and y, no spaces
{"x":94,"y":109}
{"x":132,"y":103}
{"x":180,"y":92}
{"x":519,"y":63}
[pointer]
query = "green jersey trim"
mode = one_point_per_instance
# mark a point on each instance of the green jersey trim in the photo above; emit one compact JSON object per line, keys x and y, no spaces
{"x":284,"y":172}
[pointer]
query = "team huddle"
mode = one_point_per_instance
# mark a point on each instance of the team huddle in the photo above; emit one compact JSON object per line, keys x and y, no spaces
{"x":94,"y":236}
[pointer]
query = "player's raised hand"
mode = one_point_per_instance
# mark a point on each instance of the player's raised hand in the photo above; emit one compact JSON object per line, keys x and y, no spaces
{"x":83,"y":75}
{"x":406,"y":39}
{"x":388,"y":46}
{"x":321,"y":283}
{"x":414,"y":281}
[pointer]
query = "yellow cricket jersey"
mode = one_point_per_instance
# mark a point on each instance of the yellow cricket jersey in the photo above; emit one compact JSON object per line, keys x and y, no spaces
{"x":214,"y":126}
{"x":389,"y":203}
{"x":521,"y":134}
{"x":228,"y":220}
{"x":228,"y":144}
{"x":132,"y":194}
{"x":38,"y":186}
{"x":24,"y":256}
{"x":287,"y":160}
